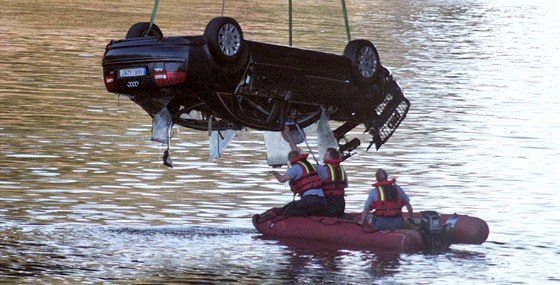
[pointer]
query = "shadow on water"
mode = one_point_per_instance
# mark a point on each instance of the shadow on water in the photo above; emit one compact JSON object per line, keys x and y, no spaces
{"x":193,"y":255}
{"x":108,"y":253}
{"x":320,"y":263}
{"x":182,"y":232}
{"x":301,"y":255}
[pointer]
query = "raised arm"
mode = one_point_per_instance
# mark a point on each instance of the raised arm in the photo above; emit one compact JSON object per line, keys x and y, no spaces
{"x":281,"y":178}
{"x":288,"y":136}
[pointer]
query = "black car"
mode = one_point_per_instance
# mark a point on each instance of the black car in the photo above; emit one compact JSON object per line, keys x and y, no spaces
{"x":232,"y":83}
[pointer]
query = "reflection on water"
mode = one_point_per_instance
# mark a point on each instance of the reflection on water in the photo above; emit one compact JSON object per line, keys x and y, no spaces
{"x":84,"y":197}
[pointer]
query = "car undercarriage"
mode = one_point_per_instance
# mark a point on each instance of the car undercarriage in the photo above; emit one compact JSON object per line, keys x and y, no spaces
{"x":219,"y":81}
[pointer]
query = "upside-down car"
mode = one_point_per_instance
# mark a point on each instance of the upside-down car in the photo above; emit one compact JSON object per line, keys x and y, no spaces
{"x":220,"y":80}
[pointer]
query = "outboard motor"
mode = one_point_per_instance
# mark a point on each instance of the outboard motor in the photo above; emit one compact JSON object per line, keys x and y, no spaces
{"x":434,"y":234}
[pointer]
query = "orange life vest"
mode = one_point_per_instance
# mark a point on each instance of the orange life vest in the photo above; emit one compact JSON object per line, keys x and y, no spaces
{"x":385,"y":206}
{"x":336,"y":181}
{"x":309,"y":178}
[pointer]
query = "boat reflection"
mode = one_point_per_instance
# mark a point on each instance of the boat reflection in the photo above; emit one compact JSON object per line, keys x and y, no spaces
{"x":304,"y":257}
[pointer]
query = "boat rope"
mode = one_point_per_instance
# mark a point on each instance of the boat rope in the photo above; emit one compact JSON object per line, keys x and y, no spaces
{"x":275,"y":217}
{"x":306,"y":143}
{"x":367,"y":229}
{"x":154,"y":10}
{"x":330,"y":221}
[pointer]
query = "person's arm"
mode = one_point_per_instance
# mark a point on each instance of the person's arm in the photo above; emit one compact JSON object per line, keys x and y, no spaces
{"x":409,"y":209}
{"x":281,"y":178}
{"x":365,"y":214}
{"x":367,"y":207}
{"x":322,"y":171}
{"x":405,"y":198}
{"x":288,"y":136}
{"x":290,"y":174}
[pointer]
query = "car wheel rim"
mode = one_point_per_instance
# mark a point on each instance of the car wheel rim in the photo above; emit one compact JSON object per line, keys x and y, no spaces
{"x":367,"y":62}
{"x":229,"y":40}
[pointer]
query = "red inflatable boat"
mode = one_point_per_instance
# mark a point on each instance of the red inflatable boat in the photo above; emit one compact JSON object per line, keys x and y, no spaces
{"x":430,"y":231}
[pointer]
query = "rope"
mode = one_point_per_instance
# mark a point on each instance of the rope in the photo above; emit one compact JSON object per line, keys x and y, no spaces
{"x":275,"y":217}
{"x":154,"y":10}
{"x":330,"y":221}
{"x":306,"y":143}
{"x":223,"y":5}
{"x":327,"y":221}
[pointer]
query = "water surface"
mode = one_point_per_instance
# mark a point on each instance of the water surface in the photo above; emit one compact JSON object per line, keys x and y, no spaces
{"x":84,"y":197}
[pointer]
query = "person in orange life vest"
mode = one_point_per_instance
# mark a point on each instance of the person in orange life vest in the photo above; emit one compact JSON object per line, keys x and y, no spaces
{"x":305,"y":182}
{"x":387,"y":199}
{"x":333,"y":181}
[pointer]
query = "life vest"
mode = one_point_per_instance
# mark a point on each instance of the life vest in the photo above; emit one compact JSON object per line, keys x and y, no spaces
{"x":384,"y":207}
{"x":309,"y":178}
{"x":336,"y":181}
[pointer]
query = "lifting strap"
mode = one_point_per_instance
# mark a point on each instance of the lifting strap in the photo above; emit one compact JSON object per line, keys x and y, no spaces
{"x":154,"y":10}
{"x":344,"y":13}
{"x":290,"y":21}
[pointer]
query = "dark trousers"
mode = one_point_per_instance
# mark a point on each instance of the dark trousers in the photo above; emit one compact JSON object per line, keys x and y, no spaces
{"x":335,"y":206}
{"x":385,"y":223}
{"x":310,"y":205}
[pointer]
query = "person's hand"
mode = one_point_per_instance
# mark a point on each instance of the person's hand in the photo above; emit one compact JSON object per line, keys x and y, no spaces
{"x":411,"y":220}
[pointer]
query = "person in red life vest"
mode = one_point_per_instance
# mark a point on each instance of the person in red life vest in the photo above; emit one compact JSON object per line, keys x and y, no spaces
{"x":333,"y":181}
{"x":305,"y":182}
{"x":387,"y":199}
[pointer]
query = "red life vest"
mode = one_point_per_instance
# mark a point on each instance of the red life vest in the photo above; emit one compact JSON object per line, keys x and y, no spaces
{"x":383,"y":206}
{"x":309,"y":178}
{"x":336,"y":181}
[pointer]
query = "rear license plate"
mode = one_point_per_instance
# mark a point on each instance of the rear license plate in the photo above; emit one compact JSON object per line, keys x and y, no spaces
{"x":132,"y":72}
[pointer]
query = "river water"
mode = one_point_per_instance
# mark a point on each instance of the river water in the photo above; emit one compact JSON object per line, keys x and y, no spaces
{"x":84,"y":198}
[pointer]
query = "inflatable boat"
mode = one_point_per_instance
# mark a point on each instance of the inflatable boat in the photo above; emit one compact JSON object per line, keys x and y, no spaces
{"x":429,"y":231}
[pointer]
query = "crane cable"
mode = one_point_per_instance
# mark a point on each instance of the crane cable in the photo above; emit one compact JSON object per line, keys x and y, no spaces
{"x":154,"y":10}
{"x":344,"y":13}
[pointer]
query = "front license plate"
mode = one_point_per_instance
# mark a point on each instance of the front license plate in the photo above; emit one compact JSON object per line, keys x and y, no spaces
{"x":132,"y":72}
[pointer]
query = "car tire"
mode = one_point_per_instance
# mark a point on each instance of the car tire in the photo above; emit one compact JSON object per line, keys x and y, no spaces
{"x":365,"y":60}
{"x":138,"y":30}
{"x":225,"y":39}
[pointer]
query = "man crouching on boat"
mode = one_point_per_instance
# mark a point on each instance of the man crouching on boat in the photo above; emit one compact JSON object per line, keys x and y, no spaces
{"x":387,"y":199}
{"x":305,"y":182}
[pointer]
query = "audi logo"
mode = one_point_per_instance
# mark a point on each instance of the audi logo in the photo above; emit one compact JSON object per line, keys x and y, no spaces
{"x":132,"y":84}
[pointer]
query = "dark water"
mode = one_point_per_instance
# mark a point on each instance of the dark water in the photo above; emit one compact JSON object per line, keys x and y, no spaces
{"x":84,"y":198}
